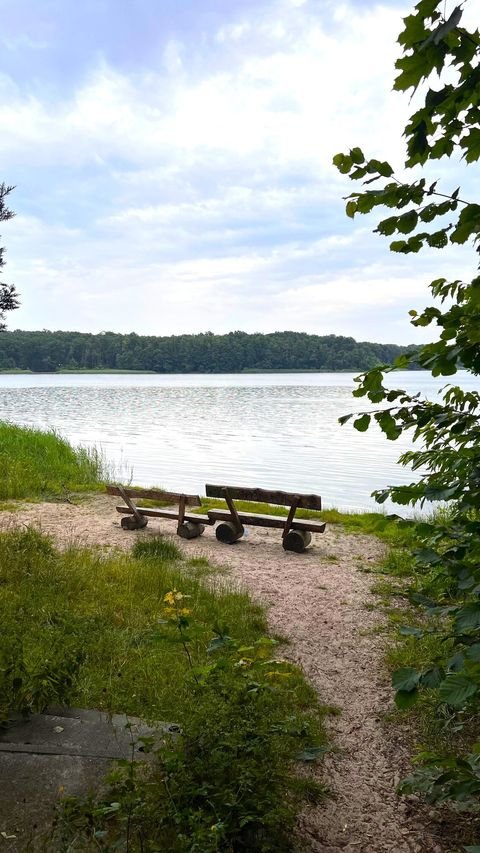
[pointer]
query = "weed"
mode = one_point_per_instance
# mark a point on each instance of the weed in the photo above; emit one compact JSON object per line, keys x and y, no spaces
{"x":156,"y":548}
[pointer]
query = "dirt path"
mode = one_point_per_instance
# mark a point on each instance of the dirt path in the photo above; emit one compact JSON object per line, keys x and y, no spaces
{"x":321,"y":601}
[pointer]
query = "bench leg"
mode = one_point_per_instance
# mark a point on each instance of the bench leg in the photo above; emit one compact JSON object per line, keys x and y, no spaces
{"x":129,"y":522}
{"x":190,"y":530}
{"x":228,"y":532}
{"x":297,"y":540}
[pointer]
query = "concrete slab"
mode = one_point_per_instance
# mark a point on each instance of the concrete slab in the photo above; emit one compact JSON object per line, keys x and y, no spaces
{"x":63,"y":752}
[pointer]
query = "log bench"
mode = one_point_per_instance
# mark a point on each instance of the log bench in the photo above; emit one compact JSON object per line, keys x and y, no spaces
{"x":189,"y":525}
{"x":296,"y":532}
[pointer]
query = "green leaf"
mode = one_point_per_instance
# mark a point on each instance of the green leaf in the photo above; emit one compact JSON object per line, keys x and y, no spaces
{"x":388,"y":425}
{"x":468,"y":617}
{"x":343,"y":163}
{"x":407,"y":222}
{"x":404,"y":699}
{"x":457,"y":689}
{"x":362,"y":423}
{"x":405,"y":679}
{"x":398,"y":245}
{"x":473,"y":653}
{"x":357,"y":156}
{"x":409,"y":631}
{"x":432,"y":677}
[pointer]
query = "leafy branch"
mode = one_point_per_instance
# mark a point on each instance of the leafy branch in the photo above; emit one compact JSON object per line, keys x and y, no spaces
{"x":448,"y":431}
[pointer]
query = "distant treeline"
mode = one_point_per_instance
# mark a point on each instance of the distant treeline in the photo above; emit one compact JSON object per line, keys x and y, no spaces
{"x":45,"y":352}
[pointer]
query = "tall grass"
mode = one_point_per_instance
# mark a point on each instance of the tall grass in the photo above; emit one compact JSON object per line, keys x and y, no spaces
{"x":42,"y":464}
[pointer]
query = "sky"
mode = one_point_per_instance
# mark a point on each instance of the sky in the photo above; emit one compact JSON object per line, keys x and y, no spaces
{"x":173,"y":167}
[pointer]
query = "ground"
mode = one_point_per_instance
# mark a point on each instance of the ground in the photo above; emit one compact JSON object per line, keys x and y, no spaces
{"x":322,"y":601}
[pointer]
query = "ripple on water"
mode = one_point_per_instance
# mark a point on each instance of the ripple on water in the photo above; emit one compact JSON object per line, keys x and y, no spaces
{"x":271,"y":430}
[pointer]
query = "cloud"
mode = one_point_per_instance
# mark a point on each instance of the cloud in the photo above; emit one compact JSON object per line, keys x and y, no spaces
{"x":198,"y":192}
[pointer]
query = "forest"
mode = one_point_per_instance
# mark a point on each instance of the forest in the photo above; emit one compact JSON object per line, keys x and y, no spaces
{"x":47,"y":352}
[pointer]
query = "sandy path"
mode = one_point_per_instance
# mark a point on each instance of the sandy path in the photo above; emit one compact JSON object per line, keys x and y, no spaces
{"x":317,"y":599}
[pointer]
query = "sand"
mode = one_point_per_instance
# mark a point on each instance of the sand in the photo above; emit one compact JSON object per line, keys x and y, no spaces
{"x":322,"y":601}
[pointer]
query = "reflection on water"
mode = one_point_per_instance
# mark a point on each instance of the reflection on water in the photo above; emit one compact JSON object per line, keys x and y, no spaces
{"x":270,"y":430}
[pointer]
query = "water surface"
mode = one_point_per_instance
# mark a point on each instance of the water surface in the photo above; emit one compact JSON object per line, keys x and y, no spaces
{"x":181,"y":431}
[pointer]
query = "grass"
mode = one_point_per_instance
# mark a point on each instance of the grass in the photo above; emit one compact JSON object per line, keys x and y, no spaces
{"x":104,"y":611}
{"x":36,"y":464}
{"x":95,"y":630}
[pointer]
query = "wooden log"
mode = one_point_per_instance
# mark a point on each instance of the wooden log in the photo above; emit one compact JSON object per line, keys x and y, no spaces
{"x":233,"y":512}
{"x":189,"y":530}
{"x":228,"y":532}
{"x":152,"y":494}
{"x":259,"y":520}
{"x":129,"y":522}
{"x":181,"y":513}
{"x":133,"y":509}
{"x":172,"y":514}
{"x":290,"y":517}
{"x":269,"y":496}
{"x":297,"y":540}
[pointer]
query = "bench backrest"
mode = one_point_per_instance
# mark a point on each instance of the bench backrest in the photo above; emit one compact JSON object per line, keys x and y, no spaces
{"x":264,"y":496}
{"x":154,"y":495}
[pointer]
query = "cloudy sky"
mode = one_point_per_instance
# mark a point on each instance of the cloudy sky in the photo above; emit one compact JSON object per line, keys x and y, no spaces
{"x":172,"y":163}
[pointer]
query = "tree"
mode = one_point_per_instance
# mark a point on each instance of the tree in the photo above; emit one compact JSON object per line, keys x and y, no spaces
{"x":427,"y":214}
{"x":8,"y":295}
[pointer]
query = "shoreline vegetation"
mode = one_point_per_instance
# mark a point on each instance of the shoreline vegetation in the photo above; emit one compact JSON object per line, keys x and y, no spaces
{"x":113,"y":372}
{"x":235,"y":352}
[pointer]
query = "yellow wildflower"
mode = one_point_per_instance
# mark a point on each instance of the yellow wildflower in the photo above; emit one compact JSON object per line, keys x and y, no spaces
{"x":170,"y":612}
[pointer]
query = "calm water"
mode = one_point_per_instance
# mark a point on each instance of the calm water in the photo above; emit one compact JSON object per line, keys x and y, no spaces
{"x":181,"y":431}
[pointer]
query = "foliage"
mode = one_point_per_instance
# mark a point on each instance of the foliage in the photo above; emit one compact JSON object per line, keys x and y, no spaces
{"x":42,"y":464}
{"x":448,"y":429}
{"x":8,"y":294}
{"x":108,"y":607}
{"x":226,"y":783}
{"x":118,"y":634}
{"x":38,"y":663}
{"x":204,"y":353}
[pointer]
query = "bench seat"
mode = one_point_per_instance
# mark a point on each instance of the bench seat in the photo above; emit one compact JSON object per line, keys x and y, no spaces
{"x":154,"y":512}
{"x":267,"y":520}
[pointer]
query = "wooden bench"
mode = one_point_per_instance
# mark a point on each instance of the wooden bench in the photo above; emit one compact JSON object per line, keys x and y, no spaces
{"x":189,"y":525}
{"x":296,"y":532}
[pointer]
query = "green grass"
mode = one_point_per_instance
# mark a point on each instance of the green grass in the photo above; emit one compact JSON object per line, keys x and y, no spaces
{"x":36,"y":464}
{"x":105,"y":611}
{"x":94,"y":631}
{"x":108,"y":611}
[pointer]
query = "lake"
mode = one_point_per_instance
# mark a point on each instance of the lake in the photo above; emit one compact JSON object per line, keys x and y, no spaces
{"x":182,"y":431}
